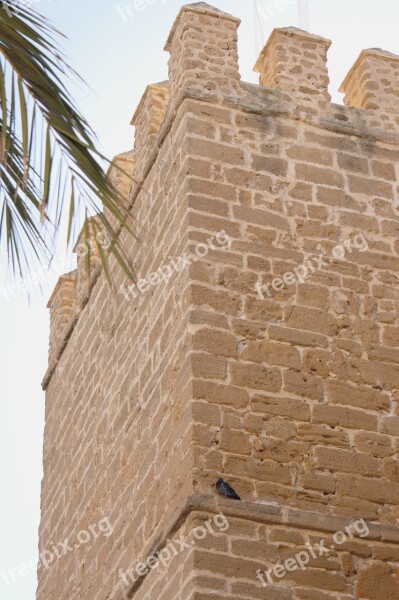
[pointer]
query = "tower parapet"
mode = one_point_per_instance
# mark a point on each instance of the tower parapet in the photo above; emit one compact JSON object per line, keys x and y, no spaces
{"x":295,"y":62}
{"x":372,"y":85}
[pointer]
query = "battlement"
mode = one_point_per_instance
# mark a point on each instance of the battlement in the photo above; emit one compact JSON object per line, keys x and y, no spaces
{"x":372,"y":85}
{"x":203,"y":64}
{"x":295,"y":62}
{"x":259,"y":342}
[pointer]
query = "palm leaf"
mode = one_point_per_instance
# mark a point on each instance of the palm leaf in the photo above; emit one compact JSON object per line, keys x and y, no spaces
{"x":50,"y":167}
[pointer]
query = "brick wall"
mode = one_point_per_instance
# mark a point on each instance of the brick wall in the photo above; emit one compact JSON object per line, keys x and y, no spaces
{"x":270,"y":360}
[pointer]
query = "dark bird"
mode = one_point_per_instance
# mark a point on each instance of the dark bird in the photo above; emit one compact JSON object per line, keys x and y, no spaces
{"x":224,"y":489}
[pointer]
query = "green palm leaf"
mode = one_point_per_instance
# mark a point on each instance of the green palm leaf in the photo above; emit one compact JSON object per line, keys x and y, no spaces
{"x":49,"y":164}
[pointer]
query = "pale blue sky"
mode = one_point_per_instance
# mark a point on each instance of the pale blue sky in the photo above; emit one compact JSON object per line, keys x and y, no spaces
{"x":118,"y":58}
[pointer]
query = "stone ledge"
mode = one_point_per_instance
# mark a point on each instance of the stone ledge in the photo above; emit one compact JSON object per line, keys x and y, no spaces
{"x":265,"y":513}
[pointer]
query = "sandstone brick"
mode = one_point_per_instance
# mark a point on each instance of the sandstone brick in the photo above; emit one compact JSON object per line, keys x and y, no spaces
{"x":276,"y":166}
{"x":215,"y":151}
{"x":199,"y":167}
{"x":321,"y":213}
{"x":358,"y":222}
{"x":339,"y":392}
{"x":335,"y":197}
{"x":391,"y":336}
{"x":383,"y":170}
{"x":378,"y":581}
{"x":310,"y":319}
{"x":218,"y":300}
{"x":213,"y":189}
{"x":345,"y":417}
{"x":271,"y":353}
{"x":226,"y":565}
{"x":314,"y":295}
{"x":378,"y":374}
{"x":301,"y":191}
{"x":390,"y":228}
{"x":256,"y":377}
{"x":220,"y":394}
{"x":212,"y":224}
{"x":317,"y":362}
{"x":262,"y":310}
{"x":285,"y":130}
{"x":304,"y":385}
{"x":287,"y":536}
{"x":365,"y":487}
{"x":205,"y":317}
{"x":350,"y":162}
{"x":260,"y":217}
{"x":386,"y":553}
{"x":207,"y":205}
{"x":236,"y":280}
{"x":319,"y":175}
{"x":312,"y":155}
{"x":257,"y":549}
{"x":297,"y":337}
{"x":327,"y":140}
{"x":218,"y":343}
{"x":206,"y":413}
{"x":288,"y":407}
{"x":235,"y":442}
{"x":346,"y":462}
{"x":201,"y":272}
{"x":244,"y":178}
{"x":319,"y":481}
{"x":248,"y":329}
{"x":253,"y":121}
{"x":318,"y":578}
{"x":380,"y":261}
{"x":375,"y":444}
{"x":272,"y":448}
{"x":390,"y":425}
{"x":316,"y":229}
{"x":366,"y":186}
{"x":209,"y":366}
{"x":323,"y":434}
{"x":201,"y":127}
{"x":256,"y":263}
{"x":280,"y":428}
{"x":390,"y":469}
{"x":252,"y":590}
{"x":265,"y":470}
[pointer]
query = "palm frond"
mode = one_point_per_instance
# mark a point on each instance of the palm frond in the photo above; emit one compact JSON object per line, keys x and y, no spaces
{"x":50,"y":167}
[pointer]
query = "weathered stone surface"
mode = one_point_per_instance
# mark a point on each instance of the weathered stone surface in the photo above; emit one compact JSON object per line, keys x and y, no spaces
{"x":259,"y":344}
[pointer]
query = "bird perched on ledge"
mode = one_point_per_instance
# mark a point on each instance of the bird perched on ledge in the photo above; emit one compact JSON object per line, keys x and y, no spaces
{"x":224,"y":489}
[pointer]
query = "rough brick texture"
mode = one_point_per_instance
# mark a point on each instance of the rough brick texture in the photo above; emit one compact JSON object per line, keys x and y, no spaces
{"x":271,"y":361}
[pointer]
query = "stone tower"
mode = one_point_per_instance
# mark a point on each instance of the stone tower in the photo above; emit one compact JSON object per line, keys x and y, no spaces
{"x":259,"y":344}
